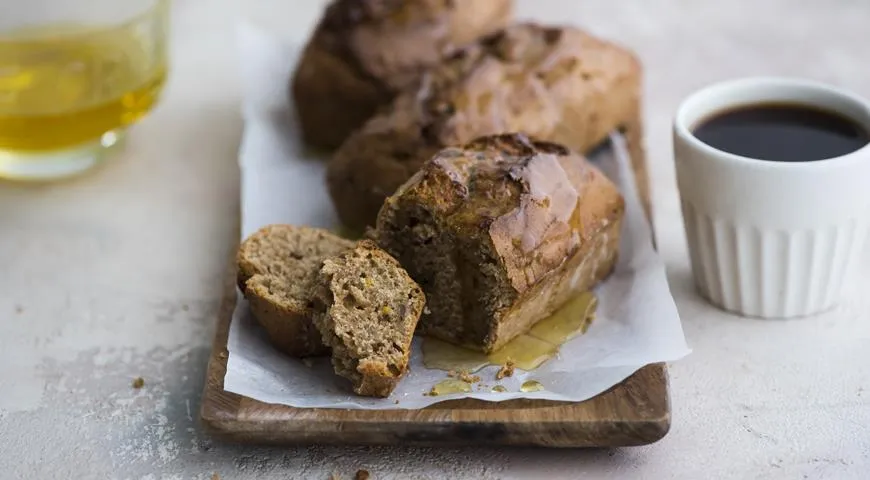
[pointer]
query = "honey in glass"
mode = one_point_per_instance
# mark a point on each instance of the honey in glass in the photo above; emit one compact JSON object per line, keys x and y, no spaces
{"x":73,"y":75}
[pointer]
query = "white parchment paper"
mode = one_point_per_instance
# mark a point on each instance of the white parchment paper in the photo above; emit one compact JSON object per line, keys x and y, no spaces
{"x":637,"y":322}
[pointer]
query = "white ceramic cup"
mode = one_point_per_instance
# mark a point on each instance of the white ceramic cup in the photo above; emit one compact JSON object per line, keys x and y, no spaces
{"x":771,"y":239}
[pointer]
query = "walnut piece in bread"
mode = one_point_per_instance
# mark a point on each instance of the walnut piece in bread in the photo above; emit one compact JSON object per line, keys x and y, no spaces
{"x":365,"y":51}
{"x":277,"y":269}
{"x":366,"y":308}
{"x":554,"y":84}
{"x":500,"y":233}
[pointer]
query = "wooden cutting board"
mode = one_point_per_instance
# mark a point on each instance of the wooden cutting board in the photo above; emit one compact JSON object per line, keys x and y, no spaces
{"x":635,"y":412}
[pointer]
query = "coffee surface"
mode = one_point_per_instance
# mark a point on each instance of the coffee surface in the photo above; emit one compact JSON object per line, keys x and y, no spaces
{"x":782,"y":133}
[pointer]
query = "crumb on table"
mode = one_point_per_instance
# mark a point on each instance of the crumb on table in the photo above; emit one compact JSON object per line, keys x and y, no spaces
{"x":215,"y":476}
{"x":19,"y":309}
{"x":362,"y":475}
{"x":138,"y":382}
{"x":507,"y":370}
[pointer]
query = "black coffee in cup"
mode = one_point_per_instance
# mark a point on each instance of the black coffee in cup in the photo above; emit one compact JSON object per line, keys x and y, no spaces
{"x":782,"y":133}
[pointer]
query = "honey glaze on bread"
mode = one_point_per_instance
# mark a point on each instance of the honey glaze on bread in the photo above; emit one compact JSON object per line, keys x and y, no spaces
{"x":554,"y":84}
{"x":499,"y":233}
{"x":363,"y":52}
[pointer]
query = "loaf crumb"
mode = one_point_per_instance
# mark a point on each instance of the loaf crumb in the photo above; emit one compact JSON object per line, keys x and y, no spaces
{"x":362,"y":475}
{"x":277,"y":270}
{"x":367,"y":310}
{"x":138,"y":383}
{"x":507,"y":370}
{"x":215,"y":476}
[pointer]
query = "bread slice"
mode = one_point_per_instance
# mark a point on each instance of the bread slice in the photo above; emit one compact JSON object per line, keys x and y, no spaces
{"x":363,"y":52}
{"x":559,"y":85}
{"x":277,"y":269}
{"x":367,"y":311}
{"x":500,"y":233}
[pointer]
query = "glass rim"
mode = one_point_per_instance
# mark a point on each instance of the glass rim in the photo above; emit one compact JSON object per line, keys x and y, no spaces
{"x":17,"y":35}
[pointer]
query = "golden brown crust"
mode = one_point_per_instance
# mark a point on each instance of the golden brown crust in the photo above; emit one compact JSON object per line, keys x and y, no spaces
{"x":364,"y":51}
{"x":500,"y":233}
{"x":555,"y":84}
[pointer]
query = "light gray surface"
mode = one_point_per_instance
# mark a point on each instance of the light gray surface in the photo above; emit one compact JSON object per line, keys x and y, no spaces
{"x":117,"y":275}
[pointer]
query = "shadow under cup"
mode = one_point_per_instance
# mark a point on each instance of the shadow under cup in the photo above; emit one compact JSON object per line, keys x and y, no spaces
{"x":771,"y":239}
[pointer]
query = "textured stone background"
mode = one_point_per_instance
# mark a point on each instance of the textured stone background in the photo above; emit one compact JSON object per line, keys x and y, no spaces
{"x":118,"y":274}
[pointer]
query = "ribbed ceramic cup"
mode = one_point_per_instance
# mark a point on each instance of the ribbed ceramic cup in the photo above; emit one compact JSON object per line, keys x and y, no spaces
{"x":771,"y":239}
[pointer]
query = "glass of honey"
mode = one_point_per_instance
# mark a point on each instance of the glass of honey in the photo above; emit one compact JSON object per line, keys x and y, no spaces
{"x":74,"y":75}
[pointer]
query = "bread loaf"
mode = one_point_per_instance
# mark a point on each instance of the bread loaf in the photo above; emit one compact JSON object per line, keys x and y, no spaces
{"x":364,"y":51}
{"x":500,"y":233}
{"x":555,"y":84}
{"x":277,"y":269}
{"x":366,"y":309}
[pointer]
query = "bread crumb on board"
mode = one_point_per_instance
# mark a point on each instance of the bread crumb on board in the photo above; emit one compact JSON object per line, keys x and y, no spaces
{"x":138,"y":383}
{"x":362,"y":475}
{"x":464,"y":376}
{"x":506,"y":370}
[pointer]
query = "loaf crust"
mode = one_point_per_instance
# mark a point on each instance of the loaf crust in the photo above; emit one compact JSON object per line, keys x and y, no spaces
{"x":277,"y":270}
{"x":555,"y":84}
{"x":364,"y":51}
{"x":500,"y":233}
{"x":366,"y":308}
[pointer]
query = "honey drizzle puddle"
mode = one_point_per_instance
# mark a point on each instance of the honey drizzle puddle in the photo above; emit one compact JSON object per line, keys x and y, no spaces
{"x":531,"y":386}
{"x":451,"y":385}
{"x":528,"y":351}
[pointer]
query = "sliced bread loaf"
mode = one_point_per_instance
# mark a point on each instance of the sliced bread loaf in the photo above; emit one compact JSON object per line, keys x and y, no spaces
{"x":367,"y":308}
{"x":500,"y":233}
{"x":277,"y":268}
